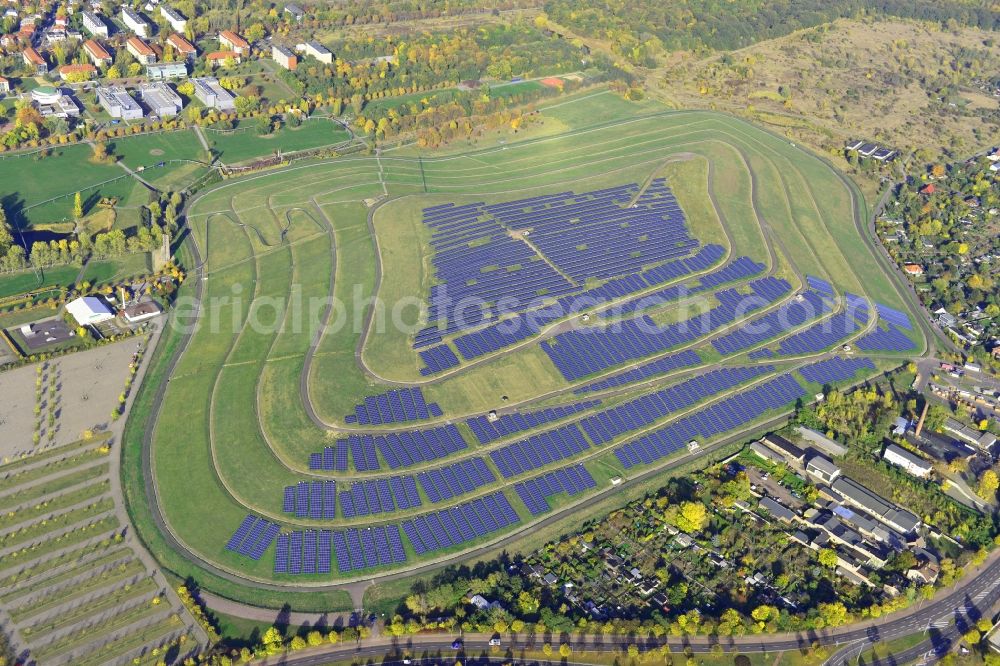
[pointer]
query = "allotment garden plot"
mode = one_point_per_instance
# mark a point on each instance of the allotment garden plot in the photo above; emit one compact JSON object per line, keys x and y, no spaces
{"x":596,"y":305}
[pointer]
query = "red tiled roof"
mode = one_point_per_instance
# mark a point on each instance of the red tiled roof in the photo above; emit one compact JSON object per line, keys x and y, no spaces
{"x":96,"y":49}
{"x":234,"y":39}
{"x":140,"y":46}
{"x":222,"y":55}
{"x":181,"y":44}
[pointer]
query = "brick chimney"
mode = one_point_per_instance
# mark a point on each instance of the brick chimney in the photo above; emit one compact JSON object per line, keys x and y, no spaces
{"x":923,"y":415}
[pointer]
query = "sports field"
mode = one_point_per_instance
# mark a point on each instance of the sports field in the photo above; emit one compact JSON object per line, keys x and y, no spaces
{"x":260,"y":457}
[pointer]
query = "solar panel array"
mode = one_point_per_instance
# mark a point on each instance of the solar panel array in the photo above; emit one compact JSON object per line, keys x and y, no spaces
{"x":835,"y":369}
{"x":857,"y":306}
{"x":660,"y":366}
{"x":737,"y":410}
{"x":305,"y":552}
{"x":383,"y":495}
{"x":808,"y":305}
{"x":460,"y":524}
{"x":539,"y":450}
{"x":820,"y":285}
{"x":311,"y":499}
{"x":821,"y":335}
{"x":464,"y":476}
{"x":514,"y":329}
{"x":253,"y":537}
{"x":572,"y":480}
{"x":487,"y":431}
{"x":887,"y":339}
{"x":762,"y":353}
{"x":398,"y":449}
{"x":396,"y":406}
{"x":366,"y":548}
{"x":584,"y":351}
{"x":605,"y":426}
{"x":893,"y":316}
{"x":740,"y":269}
{"x":437,"y":359}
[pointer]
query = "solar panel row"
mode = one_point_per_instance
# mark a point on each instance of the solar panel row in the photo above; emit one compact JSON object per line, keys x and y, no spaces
{"x":660,"y":366}
{"x":460,"y":524}
{"x":893,"y":316}
{"x":396,"y":406}
{"x":573,"y":480}
{"x":539,"y":450}
{"x":806,"y":306}
{"x":357,"y":549}
{"x":835,"y":369}
{"x":305,"y":552}
{"x":437,"y":359}
{"x":885,"y":339}
{"x":584,"y":351}
{"x":821,"y":335}
{"x":820,"y":285}
{"x":252,"y":537}
{"x":379,"y":496}
{"x":487,"y":431}
{"x":315,"y":499}
{"x":733,"y":412}
{"x":398,"y":449}
{"x":607,"y":425}
{"x":464,"y":476}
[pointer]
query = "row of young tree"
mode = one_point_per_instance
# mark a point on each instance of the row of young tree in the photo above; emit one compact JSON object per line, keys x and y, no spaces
{"x":158,"y":218}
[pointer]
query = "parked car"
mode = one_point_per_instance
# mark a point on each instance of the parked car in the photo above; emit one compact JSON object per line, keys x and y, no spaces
{"x":456,"y":644}
{"x":494,"y":642}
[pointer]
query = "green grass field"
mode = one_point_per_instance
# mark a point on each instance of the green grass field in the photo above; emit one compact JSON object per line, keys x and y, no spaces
{"x":246,"y":144}
{"x":234,"y":428}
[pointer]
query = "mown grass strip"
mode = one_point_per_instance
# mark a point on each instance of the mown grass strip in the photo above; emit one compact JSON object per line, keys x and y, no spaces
{"x":117,"y":598}
{"x":47,"y":454}
{"x":107,"y":558}
{"x":29,"y":475}
{"x":55,"y":504}
{"x":53,"y":486}
{"x":60,"y":597}
{"x":37,"y":551}
{"x":106,"y":653}
{"x":88,"y":634}
{"x":67,"y":519}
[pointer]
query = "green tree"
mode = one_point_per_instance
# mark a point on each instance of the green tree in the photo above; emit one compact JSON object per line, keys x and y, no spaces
{"x":988,"y":484}
{"x":828,"y":557}
{"x":77,"y":207}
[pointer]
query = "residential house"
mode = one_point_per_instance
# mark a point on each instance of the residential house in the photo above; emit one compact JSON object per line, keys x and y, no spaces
{"x":295,"y":12}
{"x":160,"y":99}
{"x":822,"y":468}
{"x":98,"y":55}
{"x":34,"y":59}
{"x":217,"y":58}
{"x":928,"y":189}
{"x":316,"y":50}
{"x":883,"y":154}
{"x":4,"y":86}
{"x":777,"y":510}
{"x":75,"y":73}
{"x":213,"y":95}
{"x":166,"y":70}
{"x":230,"y":41}
{"x":913,"y":464}
{"x":913,"y":269}
{"x":137,"y":313}
{"x":135,"y":22}
{"x":140,"y":50}
{"x":867,"y":149}
{"x":182,"y":47}
{"x":95,"y":25}
{"x":118,"y":103}
{"x":174,"y":18}
{"x":284,"y":57}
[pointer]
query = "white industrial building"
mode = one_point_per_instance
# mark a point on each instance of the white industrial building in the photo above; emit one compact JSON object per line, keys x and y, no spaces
{"x":160,"y":99}
{"x":89,"y":310}
{"x":159,"y":71}
{"x":118,"y":103}
{"x":213,"y":95}
{"x":913,"y":464}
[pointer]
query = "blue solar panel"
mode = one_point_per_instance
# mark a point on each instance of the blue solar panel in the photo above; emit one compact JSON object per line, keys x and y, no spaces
{"x":835,"y":369}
